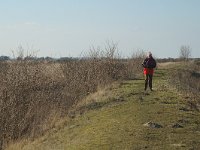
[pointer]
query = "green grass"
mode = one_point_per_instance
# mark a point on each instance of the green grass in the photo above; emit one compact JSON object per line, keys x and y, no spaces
{"x":115,"y":121}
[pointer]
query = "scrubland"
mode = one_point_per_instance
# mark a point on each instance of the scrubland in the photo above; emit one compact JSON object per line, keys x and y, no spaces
{"x":35,"y":95}
{"x":97,"y":102}
{"x":122,"y":116}
{"x":186,"y":78}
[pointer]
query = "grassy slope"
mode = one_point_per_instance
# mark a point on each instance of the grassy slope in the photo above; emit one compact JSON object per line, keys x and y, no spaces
{"x":114,"y":120}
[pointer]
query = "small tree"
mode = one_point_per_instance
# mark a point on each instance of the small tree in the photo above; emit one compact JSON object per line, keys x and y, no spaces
{"x":185,"y":52}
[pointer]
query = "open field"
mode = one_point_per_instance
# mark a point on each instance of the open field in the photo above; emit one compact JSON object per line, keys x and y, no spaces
{"x":122,"y":116}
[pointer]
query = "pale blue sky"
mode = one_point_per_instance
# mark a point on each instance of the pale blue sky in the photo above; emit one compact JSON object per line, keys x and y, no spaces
{"x":69,"y":27}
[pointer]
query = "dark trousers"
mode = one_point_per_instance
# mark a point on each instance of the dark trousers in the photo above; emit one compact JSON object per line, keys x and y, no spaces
{"x":148,"y":81}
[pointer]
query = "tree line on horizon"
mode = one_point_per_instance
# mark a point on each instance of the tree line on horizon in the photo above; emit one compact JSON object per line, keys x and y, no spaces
{"x":185,"y":53}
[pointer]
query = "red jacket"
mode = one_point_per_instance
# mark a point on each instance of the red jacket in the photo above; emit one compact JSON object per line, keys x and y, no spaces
{"x":148,"y":71}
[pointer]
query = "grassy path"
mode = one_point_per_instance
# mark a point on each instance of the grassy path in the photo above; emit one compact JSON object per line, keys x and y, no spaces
{"x":115,"y":120}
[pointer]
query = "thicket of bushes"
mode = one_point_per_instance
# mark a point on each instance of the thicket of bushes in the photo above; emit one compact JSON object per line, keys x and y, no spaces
{"x":187,"y":79}
{"x":34,"y":93}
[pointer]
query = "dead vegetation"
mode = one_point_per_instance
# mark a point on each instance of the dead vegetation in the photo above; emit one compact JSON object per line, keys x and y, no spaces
{"x":187,"y":79}
{"x":34,"y":94}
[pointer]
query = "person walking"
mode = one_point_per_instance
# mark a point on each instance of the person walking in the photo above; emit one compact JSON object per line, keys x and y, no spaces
{"x":149,"y":64}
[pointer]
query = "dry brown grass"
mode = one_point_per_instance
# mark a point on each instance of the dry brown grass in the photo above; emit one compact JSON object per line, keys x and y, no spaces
{"x":34,"y":95}
{"x":186,"y":78}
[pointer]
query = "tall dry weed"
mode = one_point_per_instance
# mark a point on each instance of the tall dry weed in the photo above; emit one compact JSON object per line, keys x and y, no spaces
{"x":187,"y":80}
{"x":33,"y":93}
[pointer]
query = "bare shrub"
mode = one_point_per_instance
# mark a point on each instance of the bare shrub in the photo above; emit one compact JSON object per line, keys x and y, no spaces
{"x":111,"y":50}
{"x":187,"y":80}
{"x":135,"y":63}
{"x":27,"y":99}
{"x":33,"y":92}
{"x":185,"y":52}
